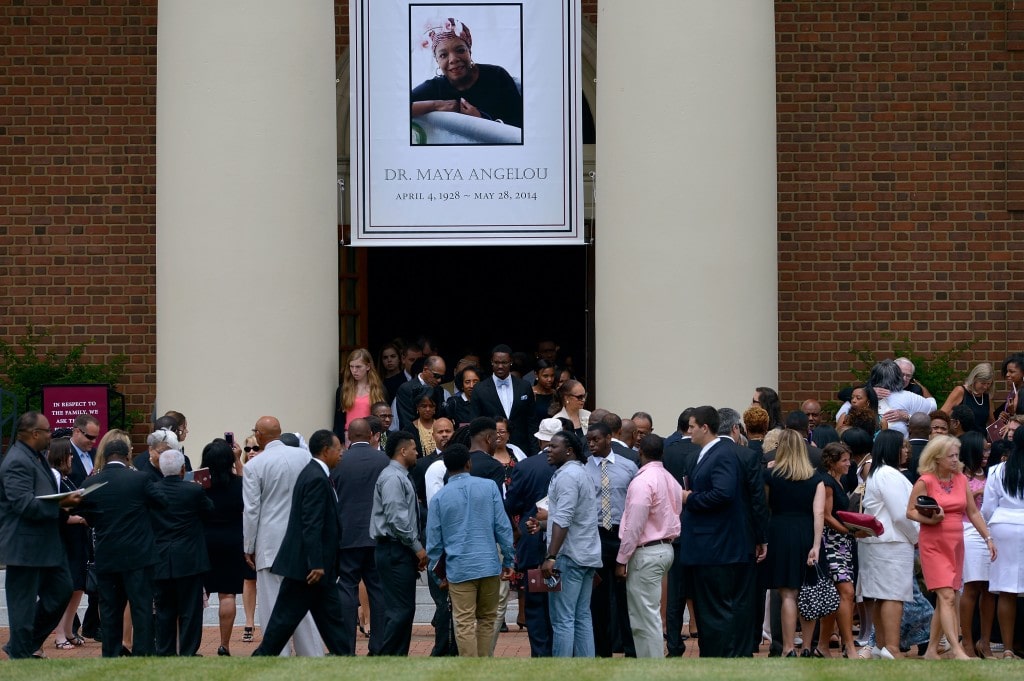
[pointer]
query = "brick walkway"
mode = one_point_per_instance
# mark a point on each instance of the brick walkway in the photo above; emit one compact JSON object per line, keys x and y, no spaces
{"x":515,"y":643}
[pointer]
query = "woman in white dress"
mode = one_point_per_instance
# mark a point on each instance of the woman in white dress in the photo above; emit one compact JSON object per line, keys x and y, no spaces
{"x":976,"y":555}
{"x":887,"y":561}
{"x":1003,"y":508}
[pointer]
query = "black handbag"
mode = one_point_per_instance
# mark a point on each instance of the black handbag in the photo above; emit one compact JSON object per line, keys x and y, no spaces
{"x":818,"y":595}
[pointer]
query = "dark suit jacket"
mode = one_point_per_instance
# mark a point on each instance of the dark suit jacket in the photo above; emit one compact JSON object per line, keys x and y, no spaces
{"x":716,"y":520}
{"x":143,"y":465}
{"x":404,"y":402}
{"x":178,"y":529}
{"x":916,"y":447}
{"x":120,"y":515}
{"x":418,"y":475}
{"x":530,"y":479}
{"x":311,"y":540}
{"x":29,"y":527}
{"x":625,"y":452}
{"x":753,"y":476}
{"x":354,"y":478}
{"x":680,"y":458}
{"x":78,"y":474}
{"x":522,"y":422}
{"x":486,"y":466}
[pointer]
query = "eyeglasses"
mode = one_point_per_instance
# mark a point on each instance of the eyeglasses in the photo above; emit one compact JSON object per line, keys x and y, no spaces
{"x":41,"y":430}
{"x":251,"y":449}
{"x":86,"y":435}
{"x":581,"y":398}
{"x":436,"y":375}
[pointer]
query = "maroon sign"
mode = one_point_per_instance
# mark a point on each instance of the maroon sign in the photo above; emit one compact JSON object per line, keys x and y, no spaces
{"x":63,"y":403}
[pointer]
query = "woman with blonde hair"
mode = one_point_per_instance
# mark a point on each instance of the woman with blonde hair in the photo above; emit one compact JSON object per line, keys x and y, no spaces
{"x":796,"y":497}
{"x":360,"y":387}
{"x":108,"y":437}
{"x":973,"y":394}
{"x":942,"y":536}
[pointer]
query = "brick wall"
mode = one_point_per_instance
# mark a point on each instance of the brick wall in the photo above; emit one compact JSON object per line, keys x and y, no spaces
{"x":894,"y":121}
{"x":78,"y":179}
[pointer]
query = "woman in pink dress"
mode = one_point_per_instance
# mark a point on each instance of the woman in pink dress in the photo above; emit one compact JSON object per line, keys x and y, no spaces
{"x":941,"y":541}
{"x":360,"y":388}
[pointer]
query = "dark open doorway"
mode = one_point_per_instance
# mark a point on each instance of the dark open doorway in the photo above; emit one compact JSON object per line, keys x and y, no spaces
{"x":471,"y":298}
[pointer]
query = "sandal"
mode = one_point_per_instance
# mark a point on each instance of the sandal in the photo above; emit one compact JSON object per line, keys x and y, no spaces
{"x":247,"y":634}
{"x":77,"y":640}
{"x":64,"y":645}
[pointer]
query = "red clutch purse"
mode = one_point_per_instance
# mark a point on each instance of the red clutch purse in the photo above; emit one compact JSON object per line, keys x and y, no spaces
{"x":861,"y":522}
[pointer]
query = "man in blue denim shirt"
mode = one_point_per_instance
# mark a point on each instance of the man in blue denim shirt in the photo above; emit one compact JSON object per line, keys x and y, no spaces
{"x":467,"y":522}
{"x":574,"y":547}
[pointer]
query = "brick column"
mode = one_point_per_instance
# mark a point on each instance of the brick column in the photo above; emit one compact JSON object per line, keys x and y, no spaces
{"x":246,"y":270}
{"x":686,"y":205}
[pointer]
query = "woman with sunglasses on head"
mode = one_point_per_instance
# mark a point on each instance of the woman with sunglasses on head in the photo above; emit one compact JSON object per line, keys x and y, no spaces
{"x":249,"y":451}
{"x":568,"y":404}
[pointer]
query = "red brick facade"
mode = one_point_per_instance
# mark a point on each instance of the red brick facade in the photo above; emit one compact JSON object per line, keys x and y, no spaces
{"x":900,"y":150}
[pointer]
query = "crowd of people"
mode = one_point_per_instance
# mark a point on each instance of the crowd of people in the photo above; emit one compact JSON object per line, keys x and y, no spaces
{"x":499,"y":484}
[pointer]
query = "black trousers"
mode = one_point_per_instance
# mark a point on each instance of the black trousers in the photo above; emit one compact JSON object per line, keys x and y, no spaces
{"x":354,"y":565}
{"x":179,"y":615}
{"x":295,"y":599}
{"x":722,"y":599}
{"x":32,"y":620}
{"x":116,"y":590}
{"x":444,"y":628}
{"x":397,"y":566}
{"x":608,"y":603}
{"x":676,"y":607}
{"x":538,"y":620}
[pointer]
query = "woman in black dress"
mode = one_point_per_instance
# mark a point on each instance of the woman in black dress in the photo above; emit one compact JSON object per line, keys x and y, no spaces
{"x":223,"y":529}
{"x":74,"y":534}
{"x":796,"y":497}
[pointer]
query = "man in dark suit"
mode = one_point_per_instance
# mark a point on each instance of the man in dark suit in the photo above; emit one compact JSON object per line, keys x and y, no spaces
{"x":529,"y":485}
{"x":483,"y":440}
{"x":679,"y":459}
{"x":308,"y":559}
{"x":404,"y":406}
{"x":83,"y":447}
{"x":730,"y":429}
{"x":353,"y":478}
{"x":157,"y":442}
{"x":444,"y":641}
{"x":718,"y":542}
{"x":30,"y":545}
{"x":505,"y":395}
{"x":619,"y":447}
{"x":119,"y":512}
{"x":182,"y":560}
{"x":918,"y":429}
{"x":83,"y":455}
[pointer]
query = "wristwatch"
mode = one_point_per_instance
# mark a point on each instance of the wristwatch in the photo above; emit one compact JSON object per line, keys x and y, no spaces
{"x":547,"y":558}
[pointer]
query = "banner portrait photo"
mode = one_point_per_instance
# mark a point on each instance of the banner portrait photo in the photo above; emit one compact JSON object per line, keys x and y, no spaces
{"x":466,"y":123}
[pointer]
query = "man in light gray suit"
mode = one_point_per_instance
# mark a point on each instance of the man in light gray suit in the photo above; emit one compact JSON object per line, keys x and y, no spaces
{"x":267,"y":483}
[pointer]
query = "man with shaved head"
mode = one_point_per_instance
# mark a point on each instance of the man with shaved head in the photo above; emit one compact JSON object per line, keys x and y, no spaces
{"x":267,"y":482}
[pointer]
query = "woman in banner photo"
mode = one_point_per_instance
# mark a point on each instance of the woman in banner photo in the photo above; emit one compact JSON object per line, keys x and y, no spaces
{"x":463,"y":86}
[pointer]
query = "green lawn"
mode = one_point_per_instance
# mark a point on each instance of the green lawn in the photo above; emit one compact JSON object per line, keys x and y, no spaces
{"x":450,"y":669}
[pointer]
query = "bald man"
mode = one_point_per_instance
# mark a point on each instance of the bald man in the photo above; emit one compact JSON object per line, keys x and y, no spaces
{"x":267,"y":483}
{"x":354,"y":478}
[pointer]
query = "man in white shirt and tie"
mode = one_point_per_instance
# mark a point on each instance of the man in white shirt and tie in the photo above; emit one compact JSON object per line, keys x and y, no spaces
{"x":83,"y":444}
{"x":504,"y":395}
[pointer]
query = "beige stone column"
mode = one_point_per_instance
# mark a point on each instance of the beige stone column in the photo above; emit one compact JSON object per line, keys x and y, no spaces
{"x":686,"y":205}
{"x":247,"y":284}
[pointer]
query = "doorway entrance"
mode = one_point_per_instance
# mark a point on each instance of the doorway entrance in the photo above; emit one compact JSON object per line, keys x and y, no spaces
{"x":468,"y":299}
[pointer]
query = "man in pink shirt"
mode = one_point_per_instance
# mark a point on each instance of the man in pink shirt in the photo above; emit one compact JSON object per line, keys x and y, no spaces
{"x":649,"y":523}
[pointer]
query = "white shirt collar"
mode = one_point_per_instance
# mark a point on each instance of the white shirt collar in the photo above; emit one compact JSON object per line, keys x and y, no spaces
{"x":327,"y":471}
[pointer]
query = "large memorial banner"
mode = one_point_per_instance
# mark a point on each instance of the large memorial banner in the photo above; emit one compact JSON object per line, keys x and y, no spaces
{"x":466,"y":123}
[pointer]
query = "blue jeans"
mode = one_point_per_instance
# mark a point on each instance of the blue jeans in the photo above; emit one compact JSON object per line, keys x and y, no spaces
{"x":571,"y":624}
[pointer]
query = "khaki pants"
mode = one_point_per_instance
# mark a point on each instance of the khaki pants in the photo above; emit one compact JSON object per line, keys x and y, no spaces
{"x":645,"y":571}
{"x":474,"y":609}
